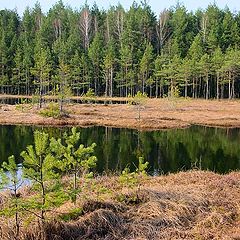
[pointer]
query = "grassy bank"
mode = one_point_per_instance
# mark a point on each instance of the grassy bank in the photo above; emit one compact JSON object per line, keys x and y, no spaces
{"x":154,"y":114}
{"x":186,"y":205}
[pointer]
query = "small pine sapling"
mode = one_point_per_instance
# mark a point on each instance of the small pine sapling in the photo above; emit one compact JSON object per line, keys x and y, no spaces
{"x":76,"y":158}
{"x":40,"y":167}
{"x":128,"y":179}
{"x":99,"y":191}
{"x":10,"y":180}
{"x":133,"y":180}
{"x":89,"y":96}
{"x":141,"y":173}
{"x":139,"y":99}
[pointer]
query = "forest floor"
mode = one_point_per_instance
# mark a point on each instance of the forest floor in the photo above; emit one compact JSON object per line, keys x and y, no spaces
{"x":193,"y":205}
{"x":154,"y":114}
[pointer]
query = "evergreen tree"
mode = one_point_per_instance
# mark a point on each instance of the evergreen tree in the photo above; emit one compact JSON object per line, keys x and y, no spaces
{"x":217,"y":61}
{"x":205,"y":68}
{"x":108,"y":67}
{"x":10,"y":179}
{"x":160,"y":75}
{"x":74,"y":157}
{"x":126,"y":77}
{"x":42,"y":68}
{"x":96,"y":55}
{"x":113,"y":50}
{"x":41,"y":168}
{"x":146,"y":65}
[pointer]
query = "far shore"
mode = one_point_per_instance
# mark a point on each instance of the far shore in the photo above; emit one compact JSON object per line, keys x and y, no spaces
{"x":155,"y":114}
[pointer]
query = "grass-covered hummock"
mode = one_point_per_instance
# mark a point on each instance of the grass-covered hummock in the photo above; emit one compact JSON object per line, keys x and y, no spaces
{"x":185,"y":205}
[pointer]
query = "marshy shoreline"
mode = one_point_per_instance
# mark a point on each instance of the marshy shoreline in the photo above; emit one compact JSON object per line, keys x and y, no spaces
{"x":155,"y":114}
{"x":185,"y":205}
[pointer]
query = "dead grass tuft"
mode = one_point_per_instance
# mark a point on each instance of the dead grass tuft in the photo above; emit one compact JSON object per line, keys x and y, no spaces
{"x":91,"y":206}
{"x":156,"y":114}
{"x":188,"y":205}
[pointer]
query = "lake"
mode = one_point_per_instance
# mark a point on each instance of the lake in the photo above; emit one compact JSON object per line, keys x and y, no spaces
{"x":199,"y":147}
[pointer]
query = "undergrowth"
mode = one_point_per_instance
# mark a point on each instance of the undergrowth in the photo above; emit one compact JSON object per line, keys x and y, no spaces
{"x":186,"y":205}
{"x":52,"y":110}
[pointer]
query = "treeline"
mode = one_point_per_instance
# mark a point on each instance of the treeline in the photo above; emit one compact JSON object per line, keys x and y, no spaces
{"x":117,"y":52}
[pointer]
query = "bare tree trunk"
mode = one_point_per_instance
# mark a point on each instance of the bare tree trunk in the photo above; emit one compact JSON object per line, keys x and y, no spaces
{"x":40,"y":90}
{"x":125,"y":79}
{"x":171,"y":91}
{"x":207,"y":87}
{"x":193,"y":88}
{"x":204,"y":25}
{"x":156,"y":90}
{"x":85,"y":26}
{"x":111,"y":82}
{"x":57,"y":28}
{"x":186,"y":87}
{"x":162,"y":29}
{"x":229,"y":86}
{"x":120,"y":25}
{"x":106,"y":83}
{"x":233,"y":88}
{"x":222,"y":91}
{"x":143,"y":83}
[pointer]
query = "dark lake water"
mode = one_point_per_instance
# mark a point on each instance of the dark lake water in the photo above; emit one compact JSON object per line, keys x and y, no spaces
{"x":167,"y":151}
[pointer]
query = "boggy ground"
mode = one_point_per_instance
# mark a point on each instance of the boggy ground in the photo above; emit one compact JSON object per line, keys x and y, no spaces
{"x":155,"y":114}
{"x":194,"y":205}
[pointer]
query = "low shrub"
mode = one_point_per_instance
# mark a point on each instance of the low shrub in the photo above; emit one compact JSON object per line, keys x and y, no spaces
{"x":51,"y":111}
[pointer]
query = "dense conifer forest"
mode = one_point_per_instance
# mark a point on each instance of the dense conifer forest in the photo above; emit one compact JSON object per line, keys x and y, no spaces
{"x":117,"y":52}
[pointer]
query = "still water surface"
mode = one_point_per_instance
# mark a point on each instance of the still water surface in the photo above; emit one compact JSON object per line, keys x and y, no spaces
{"x":167,"y":151}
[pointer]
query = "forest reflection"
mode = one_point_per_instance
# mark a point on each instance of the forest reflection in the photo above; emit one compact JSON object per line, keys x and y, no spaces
{"x":199,"y":147}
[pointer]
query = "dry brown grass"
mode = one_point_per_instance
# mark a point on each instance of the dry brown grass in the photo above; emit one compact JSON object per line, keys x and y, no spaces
{"x":156,"y":114}
{"x":187,"y":205}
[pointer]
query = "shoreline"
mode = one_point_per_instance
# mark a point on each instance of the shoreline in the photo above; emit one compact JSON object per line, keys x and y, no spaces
{"x":184,"y":205}
{"x":156,"y":114}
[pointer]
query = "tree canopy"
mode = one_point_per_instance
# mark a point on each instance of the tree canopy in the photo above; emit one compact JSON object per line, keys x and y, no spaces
{"x":117,"y":52}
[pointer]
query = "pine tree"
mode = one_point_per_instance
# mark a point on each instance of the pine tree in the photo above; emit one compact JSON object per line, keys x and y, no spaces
{"x":105,"y":50}
{"x":10,"y":179}
{"x":108,"y":68}
{"x":27,"y":36}
{"x":146,"y":65}
{"x":42,"y":68}
{"x":18,"y":70}
{"x":231,"y":68}
{"x":96,"y":55}
{"x":179,"y":22}
{"x":185,"y":74}
{"x":205,"y":69}
{"x":160,"y":74}
{"x":126,"y":62}
{"x":3,"y":62}
{"x":213,"y":35}
{"x":63,"y":88}
{"x":75,"y":73}
{"x":39,"y":167}
{"x":74,"y":157}
{"x":217,"y":61}
{"x":195,"y":53}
